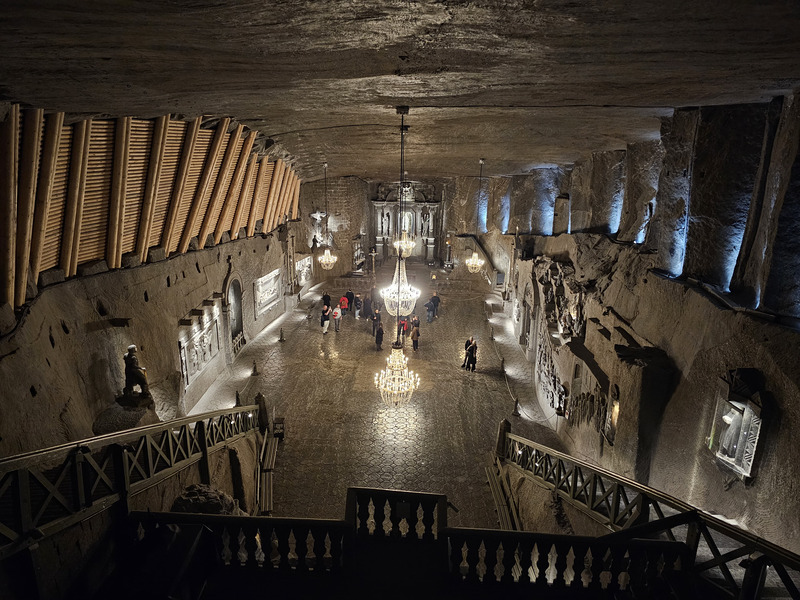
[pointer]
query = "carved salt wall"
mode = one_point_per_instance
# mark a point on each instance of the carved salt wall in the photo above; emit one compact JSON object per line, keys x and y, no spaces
{"x":62,"y":366}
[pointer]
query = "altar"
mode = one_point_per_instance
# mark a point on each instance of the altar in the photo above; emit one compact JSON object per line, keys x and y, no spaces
{"x":421,"y":219}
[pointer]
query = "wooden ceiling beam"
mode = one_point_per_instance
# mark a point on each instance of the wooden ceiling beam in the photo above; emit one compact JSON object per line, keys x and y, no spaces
{"x":154,"y":166}
{"x":119,"y":185}
{"x":202,"y":188}
{"x":171,"y":225}
{"x":274,"y":187}
{"x":26,"y":199}
{"x":259,"y":190}
{"x":9,"y":156}
{"x":54,"y":125}
{"x":296,"y":201}
{"x":79,"y":159}
{"x":216,"y":195}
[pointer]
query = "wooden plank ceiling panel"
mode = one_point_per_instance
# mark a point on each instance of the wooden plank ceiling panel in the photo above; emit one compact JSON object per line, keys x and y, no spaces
{"x":248,"y":189}
{"x":258,"y":209}
{"x":55,"y":216}
{"x":94,"y":217}
{"x":210,"y":187}
{"x":225,"y":186}
{"x":204,"y":138}
{"x":138,"y":162}
{"x":172,"y":156}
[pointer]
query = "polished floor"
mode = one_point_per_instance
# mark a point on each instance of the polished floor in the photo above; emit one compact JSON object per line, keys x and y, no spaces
{"x":340,"y":434}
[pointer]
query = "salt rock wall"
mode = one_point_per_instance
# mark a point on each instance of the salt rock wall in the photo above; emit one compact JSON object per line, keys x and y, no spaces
{"x":62,"y":366}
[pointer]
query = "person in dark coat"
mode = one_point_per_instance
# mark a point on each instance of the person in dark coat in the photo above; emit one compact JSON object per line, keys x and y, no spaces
{"x":429,"y":309}
{"x":326,"y":299}
{"x":379,"y":335}
{"x":367,"y":308}
{"x":375,"y":297}
{"x":376,"y":320}
{"x":357,"y":305}
{"x":472,"y":356}
{"x":414,"y":321}
{"x":435,"y":300}
{"x":467,"y":344}
{"x":350,"y":297}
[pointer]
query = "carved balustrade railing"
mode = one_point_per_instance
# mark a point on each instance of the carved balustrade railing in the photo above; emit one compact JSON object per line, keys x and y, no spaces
{"x":282,"y":545}
{"x":396,"y":514}
{"x":731,"y":560}
{"x":44,"y":492}
{"x":641,"y":568}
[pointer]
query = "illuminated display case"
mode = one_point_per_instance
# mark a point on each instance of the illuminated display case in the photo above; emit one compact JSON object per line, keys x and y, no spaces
{"x":736,"y":427}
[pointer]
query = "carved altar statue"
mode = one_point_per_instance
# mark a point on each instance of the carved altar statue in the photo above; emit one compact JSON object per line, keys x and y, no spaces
{"x":426,"y":223}
{"x":134,"y":374}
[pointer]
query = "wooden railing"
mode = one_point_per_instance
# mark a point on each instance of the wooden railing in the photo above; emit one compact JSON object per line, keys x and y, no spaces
{"x":542,"y":561}
{"x":46,"y":491}
{"x":632,"y":510}
{"x":396,"y":513}
{"x":269,"y":543}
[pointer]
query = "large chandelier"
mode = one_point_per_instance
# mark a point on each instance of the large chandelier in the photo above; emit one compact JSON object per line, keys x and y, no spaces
{"x":396,"y":383}
{"x":475,"y":262}
{"x":327,"y":260}
{"x":400,"y":297}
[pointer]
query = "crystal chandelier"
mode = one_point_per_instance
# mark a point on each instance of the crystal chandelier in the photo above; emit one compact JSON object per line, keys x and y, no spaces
{"x":400,"y":297}
{"x":475,"y":262}
{"x":396,"y":383}
{"x":327,"y":260}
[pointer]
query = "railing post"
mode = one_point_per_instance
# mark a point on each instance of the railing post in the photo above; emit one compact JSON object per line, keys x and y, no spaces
{"x":756,"y":572}
{"x":205,"y":470}
{"x":502,"y":438}
{"x":123,"y":478}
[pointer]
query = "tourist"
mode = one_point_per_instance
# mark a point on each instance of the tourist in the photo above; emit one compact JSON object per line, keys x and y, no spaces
{"x":350,"y":297}
{"x":337,"y":317}
{"x":402,"y":327}
{"x":376,"y":320}
{"x":326,"y":299}
{"x":435,"y":300}
{"x":367,"y":308}
{"x":344,"y":303}
{"x":414,"y":321}
{"x":472,"y":356}
{"x":415,"y":338}
{"x":430,"y":309}
{"x":467,"y":344}
{"x":375,"y":298}
{"x":357,"y":305}
{"x":379,"y":335}
{"x":325,"y":320}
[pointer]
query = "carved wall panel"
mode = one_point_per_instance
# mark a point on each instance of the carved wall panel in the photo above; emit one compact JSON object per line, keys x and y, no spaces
{"x":198,"y":350}
{"x":266,"y":291}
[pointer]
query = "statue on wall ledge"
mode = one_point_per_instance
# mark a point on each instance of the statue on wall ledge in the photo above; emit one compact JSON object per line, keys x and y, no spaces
{"x":134,"y":374}
{"x":426,"y":223}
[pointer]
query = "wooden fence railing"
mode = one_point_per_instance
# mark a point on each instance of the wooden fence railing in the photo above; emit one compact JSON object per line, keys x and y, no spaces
{"x":44,"y":492}
{"x":731,"y":560}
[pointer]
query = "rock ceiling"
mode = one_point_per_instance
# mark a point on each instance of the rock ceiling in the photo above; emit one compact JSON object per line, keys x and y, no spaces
{"x":522,"y":83}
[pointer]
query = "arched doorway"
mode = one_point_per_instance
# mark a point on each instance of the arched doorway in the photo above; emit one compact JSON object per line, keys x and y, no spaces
{"x":235,"y":315}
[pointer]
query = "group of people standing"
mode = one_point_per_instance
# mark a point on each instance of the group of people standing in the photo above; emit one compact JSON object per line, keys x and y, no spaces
{"x":407,"y":326}
{"x":348,"y":301}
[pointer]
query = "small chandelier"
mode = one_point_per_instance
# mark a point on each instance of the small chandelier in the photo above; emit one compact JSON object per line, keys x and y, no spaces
{"x":400,"y":297}
{"x":327,"y":260}
{"x":396,"y":383}
{"x":475,"y":262}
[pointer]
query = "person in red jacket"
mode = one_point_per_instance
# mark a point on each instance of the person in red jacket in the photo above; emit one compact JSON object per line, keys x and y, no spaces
{"x":345,"y":304}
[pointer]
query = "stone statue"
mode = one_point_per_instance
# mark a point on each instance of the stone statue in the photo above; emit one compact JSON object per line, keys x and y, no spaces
{"x":426,"y":224}
{"x":388,"y":221}
{"x":134,"y":374}
{"x":381,"y":220}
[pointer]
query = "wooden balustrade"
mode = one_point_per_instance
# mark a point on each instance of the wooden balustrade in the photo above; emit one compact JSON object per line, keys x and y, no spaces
{"x":46,"y":491}
{"x":481,"y":556}
{"x":272,"y":544}
{"x":396,"y":513}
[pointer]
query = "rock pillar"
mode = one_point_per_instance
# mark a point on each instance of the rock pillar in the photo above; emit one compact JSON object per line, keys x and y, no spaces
{"x":642,"y":168}
{"x":581,"y":196}
{"x":608,"y":188}
{"x":724,"y":175}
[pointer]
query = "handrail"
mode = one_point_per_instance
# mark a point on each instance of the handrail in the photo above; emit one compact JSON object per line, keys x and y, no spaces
{"x":624,"y":504}
{"x":23,"y":459}
{"x":44,"y":492}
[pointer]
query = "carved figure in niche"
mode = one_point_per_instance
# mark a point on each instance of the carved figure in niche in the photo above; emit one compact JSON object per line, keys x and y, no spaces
{"x":388,"y":221}
{"x":381,"y":221}
{"x":134,"y":374}
{"x":733,"y":419}
{"x":426,"y":223}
